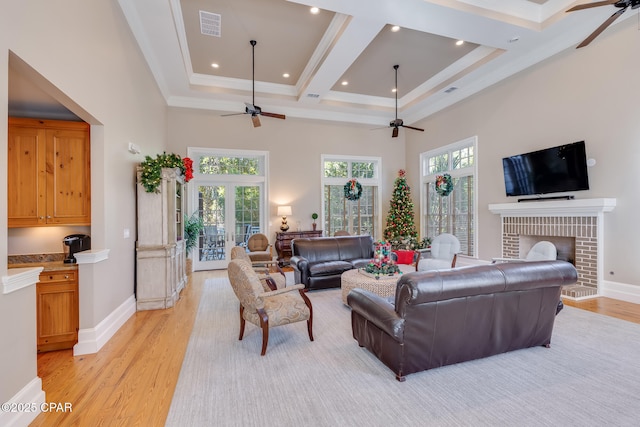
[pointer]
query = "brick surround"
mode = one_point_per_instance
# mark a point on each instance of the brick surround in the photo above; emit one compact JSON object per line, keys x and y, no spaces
{"x":579,"y":220}
{"x":583,"y":229}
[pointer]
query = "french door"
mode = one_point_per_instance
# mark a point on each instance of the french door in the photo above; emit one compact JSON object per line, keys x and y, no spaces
{"x":230,"y":212}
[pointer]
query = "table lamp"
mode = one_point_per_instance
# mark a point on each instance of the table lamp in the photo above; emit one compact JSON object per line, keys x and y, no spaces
{"x":283,"y":211}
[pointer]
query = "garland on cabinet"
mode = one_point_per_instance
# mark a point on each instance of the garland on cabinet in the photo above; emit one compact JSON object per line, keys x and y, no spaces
{"x":152,"y":169}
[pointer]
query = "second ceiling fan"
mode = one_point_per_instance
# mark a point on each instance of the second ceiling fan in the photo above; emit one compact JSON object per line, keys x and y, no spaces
{"x":622,"y":5}
{"x":398,"y":123}
{"x":252,"y":108}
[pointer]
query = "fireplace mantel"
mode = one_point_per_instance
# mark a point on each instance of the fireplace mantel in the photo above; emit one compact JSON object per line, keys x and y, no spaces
{"x":575,"y":207}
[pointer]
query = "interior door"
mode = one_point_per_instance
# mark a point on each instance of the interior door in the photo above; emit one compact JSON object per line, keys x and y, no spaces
{"x":231,"y":212}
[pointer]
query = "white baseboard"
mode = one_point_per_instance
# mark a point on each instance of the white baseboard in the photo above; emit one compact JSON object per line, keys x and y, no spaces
{"x":620,"y":291}
{"x":32,"y":394}
{"x":91,"y":340}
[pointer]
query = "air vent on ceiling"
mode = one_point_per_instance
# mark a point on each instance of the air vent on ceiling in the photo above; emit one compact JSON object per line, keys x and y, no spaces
{"x":451,"y":89}
{"x":210,"y":24}
{"x":313,"y":95}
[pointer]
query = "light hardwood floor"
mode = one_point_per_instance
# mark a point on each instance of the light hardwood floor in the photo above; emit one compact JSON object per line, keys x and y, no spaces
{"x":130,"y":381}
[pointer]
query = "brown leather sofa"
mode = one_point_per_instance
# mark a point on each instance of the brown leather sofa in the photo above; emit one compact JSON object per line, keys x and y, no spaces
{"x":444,"y":317}
{"x":319,"y":262}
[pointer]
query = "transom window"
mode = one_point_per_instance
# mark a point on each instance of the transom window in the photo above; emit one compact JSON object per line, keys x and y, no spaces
{"x":456,"y":212}
{"x":230,"y":165}
{"x":360,"y":216}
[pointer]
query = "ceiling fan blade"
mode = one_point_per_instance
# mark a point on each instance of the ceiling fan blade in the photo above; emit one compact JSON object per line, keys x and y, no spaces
{"x":274,"y":115}
{"x":601,"y":28}
{"x":594,"y":4}
{"x":394,"y":134}
{"x":411,"y":127}
{"x":256,"y":121}
{"x":232,"y":114}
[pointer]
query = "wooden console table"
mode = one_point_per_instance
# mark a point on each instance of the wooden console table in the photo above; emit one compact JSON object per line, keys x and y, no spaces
{"x":283,"y":242}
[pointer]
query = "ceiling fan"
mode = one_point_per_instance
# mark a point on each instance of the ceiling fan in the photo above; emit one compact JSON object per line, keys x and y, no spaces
{"x":252,"y":108}
{"x":397,"y":123}
{"x":623,"y":5}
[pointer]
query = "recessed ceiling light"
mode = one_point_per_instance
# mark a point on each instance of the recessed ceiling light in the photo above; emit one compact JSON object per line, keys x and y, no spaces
{"x":315,"y":10}
{"x":344,"y":83}
{"x":285,"y":75}
{"x":394,"y":90}
{"x":395,"y":28}
{"x":459,"y":42}
{"x":214,"y":65}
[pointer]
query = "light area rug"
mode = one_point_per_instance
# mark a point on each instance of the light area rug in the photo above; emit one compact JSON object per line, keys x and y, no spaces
{"x":589,"y":377}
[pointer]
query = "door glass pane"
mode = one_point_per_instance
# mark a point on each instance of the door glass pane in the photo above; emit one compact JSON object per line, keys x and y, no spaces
{"x":247,"y":213}
{"x":211,"y":202}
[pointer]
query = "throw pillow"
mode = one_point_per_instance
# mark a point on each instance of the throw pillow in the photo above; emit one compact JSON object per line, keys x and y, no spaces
{"x":404,"y":256}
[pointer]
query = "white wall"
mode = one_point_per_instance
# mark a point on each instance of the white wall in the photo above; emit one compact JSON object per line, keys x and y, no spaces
{"x":85,"y":51}
{"x":589,"y":94}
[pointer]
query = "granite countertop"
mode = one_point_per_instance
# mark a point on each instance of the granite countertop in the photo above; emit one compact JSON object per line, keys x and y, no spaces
{"x":49,"y":262}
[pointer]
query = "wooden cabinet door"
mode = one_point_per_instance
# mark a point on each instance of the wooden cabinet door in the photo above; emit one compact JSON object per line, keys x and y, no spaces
{"x":57,"y":310}
{"x":26,"y":177}
{"x":68,"y":180}
{"x":49,"y":173}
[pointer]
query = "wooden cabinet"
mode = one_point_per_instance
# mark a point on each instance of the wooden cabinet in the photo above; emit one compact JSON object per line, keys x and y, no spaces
{"x":49,"y":173}
{"x":57,"y":309}
{"x":160,"y":247}
{"x":283,"y":242}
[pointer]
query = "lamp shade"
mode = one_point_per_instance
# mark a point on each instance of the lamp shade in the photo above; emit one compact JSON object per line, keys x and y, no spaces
{"x":284,"y":210}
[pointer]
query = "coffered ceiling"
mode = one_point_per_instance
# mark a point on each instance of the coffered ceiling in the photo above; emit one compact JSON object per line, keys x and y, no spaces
{"x":347,"y":41}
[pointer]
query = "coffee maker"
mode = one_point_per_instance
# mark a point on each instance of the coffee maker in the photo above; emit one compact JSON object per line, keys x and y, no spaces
{"x":75,"y":243}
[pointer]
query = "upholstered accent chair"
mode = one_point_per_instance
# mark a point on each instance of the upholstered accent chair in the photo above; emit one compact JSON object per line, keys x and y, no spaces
{"x":259,"y":248}
{"x":444,"y":253}
{"x":262,"y":269}
{"x":541,"y":251}
{"x":267,"y":309}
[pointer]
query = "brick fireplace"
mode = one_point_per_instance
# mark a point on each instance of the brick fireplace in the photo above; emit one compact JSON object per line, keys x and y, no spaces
{"x":574,"y":226}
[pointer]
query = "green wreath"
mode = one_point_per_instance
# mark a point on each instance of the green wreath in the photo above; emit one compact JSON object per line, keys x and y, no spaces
{"x":352,"y":190}
{"x":444,"y":184}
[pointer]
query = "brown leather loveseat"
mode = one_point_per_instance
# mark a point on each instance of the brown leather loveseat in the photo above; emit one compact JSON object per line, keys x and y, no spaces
{"x":320,"y":261}
{"x":444,"y":317}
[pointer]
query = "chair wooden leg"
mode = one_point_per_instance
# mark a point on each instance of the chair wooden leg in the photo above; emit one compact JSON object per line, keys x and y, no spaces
{"x":264,"y":324}
{"x":242,"y":322}
{"x":304,"y":296}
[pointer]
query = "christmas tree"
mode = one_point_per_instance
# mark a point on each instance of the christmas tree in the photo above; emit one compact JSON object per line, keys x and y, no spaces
{"x":401,"y":229}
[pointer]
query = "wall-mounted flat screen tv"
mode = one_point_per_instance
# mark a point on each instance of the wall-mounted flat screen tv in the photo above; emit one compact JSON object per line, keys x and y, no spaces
{"x":552,"y":170}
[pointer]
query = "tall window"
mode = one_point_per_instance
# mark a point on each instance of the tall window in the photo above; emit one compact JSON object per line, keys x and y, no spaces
{"x":360,"y":216}
{"x":455,"y":213}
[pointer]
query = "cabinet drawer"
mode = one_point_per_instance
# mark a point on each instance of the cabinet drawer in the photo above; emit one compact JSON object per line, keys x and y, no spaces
{"x":58,"y":276}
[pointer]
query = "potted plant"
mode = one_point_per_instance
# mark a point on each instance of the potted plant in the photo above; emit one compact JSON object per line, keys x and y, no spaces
{"x":193,"y":226}
{"x":314,"y":216}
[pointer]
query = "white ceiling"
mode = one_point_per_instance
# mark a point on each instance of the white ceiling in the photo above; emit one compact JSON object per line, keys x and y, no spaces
{"x":348,"y":40}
